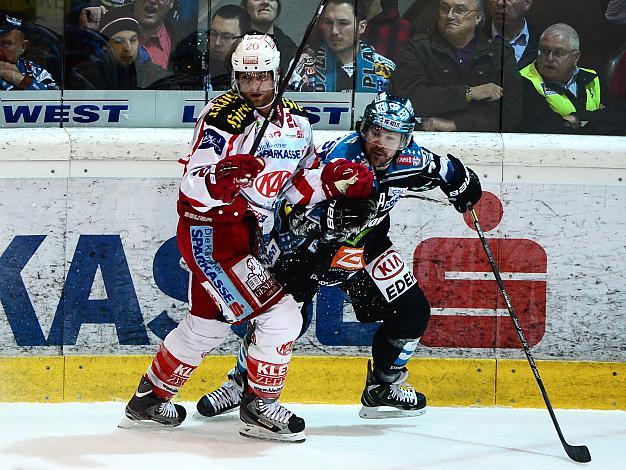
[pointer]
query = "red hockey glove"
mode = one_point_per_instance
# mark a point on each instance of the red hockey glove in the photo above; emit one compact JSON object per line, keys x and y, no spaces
{"x":232,"y":173}
{"x":344,"y":178}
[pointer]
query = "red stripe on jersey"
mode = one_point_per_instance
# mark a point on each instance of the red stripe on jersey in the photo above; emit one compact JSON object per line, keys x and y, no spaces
{"x":231,"y":142}
{"x":303,"y":187}
{"x":199,"y":138}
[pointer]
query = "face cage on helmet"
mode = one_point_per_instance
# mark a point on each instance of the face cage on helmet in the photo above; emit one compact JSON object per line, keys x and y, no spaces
{"x":377,"y":135}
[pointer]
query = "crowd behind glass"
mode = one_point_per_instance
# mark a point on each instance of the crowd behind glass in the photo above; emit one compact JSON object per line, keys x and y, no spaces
{"x":467,"y":65}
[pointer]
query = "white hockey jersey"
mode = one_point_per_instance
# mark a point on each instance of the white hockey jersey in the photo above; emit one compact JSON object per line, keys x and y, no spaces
{"x":228,"y":126}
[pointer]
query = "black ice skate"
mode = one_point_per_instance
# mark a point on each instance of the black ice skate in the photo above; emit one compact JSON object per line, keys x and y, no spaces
{"x":223,"y":400}
{"x":390,"y":400}
{"x":265,"y":418}
{"x":147,"y":411}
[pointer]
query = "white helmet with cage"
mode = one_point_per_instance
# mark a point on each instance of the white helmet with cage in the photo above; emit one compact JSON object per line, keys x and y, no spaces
{"x":256,"y":53}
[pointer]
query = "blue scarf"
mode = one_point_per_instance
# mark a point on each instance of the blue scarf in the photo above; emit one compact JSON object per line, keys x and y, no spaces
{"x":372,"y":69}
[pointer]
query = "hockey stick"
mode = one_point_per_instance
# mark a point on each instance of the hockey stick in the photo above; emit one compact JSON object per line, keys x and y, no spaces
{"x":576,"y":453}
{"x":425,"y":198}
{"x":286,"y":78}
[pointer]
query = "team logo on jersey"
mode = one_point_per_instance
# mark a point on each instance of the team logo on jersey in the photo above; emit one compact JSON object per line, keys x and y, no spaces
{"x":285,"y":349}
{"x":348,"y":258}
{"x":387,"y":266}
{"x":211,"y":139}
{"x":391,"y":275}
{"x":270,"y":183}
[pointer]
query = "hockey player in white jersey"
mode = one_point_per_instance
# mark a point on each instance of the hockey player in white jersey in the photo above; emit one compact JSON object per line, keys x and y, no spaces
{"x":226,"y":196}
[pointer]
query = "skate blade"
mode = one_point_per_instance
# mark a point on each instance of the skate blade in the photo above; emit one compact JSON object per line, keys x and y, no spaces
{"x":382,"y":412}
{"x":148,"y":425}
{"x":199,"y":416}
{"x":257,"y":432}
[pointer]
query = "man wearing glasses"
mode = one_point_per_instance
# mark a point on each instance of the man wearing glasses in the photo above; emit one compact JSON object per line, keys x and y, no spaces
{"x":457,"y":77}
{"x":228,"y":24}
{"x":559,"y":96}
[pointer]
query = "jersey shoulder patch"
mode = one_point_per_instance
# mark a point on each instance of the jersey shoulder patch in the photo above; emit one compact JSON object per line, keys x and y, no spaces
{"x":294,"y":108}
{"x":414,"y":156}
{"x":229,"y":113}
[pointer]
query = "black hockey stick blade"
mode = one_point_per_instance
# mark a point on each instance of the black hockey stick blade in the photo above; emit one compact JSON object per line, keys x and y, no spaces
{"x":577,"y":453}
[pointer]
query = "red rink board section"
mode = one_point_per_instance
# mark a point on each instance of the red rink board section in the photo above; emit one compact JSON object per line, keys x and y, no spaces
{"x":435,"y":257}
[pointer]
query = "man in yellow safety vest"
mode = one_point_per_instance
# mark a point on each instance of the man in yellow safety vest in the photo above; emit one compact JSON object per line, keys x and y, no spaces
{"x":560,"y":96}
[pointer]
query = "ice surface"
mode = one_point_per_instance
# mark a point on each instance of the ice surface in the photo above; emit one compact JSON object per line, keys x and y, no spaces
{"x":85,"y":436}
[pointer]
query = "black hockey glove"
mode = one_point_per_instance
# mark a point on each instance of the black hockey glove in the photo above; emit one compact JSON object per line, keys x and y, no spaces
{"x":345,"y":217}
{"x":465,"y":189}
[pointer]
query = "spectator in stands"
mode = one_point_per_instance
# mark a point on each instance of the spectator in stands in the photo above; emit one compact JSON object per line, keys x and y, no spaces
{"x":155,"y":37}
{"x":264,"y":14}
{"x":16,"y":72}
{"x":333,"y":66}
{"x":510,"y":23}
{"x":456,"y":75}
{"x":560,"y":97}
{"x":228,"y":24}
{"x":616,"y":11}
{"x":386,"y":32}
{"x":116,"y":67}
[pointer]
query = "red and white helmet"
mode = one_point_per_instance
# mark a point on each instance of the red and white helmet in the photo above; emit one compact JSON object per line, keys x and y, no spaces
{"x":256,"y":53}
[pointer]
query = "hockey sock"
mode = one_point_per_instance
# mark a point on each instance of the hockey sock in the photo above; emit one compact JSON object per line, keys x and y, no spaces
{"x":168,"y":374}
{"x":390,"y":355}
{"x":266,"y":379}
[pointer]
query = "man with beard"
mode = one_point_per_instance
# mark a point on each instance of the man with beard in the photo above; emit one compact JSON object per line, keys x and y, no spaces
{"x":459,"y":79}
{"x":226,"y":197}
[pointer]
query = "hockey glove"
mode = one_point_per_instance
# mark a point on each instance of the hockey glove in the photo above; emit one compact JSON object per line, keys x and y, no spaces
{"x":345,"y":217}
{"x":465,"y":189}
{"x":232,"y":173}
{"x":344,"y":178}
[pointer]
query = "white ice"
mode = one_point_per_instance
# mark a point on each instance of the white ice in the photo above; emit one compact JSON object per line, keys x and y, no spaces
{"x":85,"y":436}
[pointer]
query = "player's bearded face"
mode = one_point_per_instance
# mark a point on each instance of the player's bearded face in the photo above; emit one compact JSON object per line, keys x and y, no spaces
{"x":256,"y":87}
{"x":381,"y":145}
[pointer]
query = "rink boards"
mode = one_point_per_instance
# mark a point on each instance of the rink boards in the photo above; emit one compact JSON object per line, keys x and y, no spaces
{"x":90,"y":279}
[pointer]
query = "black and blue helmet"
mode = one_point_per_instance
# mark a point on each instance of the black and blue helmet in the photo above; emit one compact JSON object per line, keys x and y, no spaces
{"x":390,"y":113}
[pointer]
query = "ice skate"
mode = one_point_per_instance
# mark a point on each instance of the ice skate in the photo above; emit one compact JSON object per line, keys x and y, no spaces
{"x":146,"y":410}
{"x":225,"y":399}
{"x":390,"y":400}
{"x":265,"y":418}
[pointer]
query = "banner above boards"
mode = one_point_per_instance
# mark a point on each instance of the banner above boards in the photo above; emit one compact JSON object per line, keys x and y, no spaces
{"x":147,"y":108}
